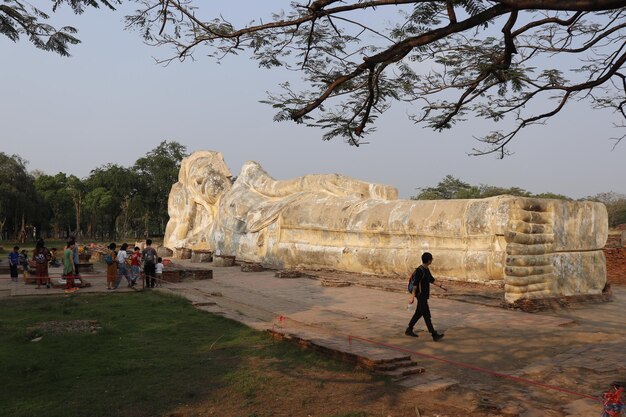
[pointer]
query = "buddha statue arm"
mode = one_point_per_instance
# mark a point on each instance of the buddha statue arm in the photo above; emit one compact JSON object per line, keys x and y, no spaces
{"x":253,"y":175}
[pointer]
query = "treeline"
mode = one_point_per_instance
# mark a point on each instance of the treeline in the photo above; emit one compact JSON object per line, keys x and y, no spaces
{"x":112,"y":202}
{"x":454,"y":188}
{"x":116,"y":202}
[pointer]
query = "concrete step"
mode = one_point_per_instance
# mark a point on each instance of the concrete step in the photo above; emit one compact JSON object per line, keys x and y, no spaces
{"x":392,"y":366}
{"x":401,"y":373}
{"x":427,"y":382}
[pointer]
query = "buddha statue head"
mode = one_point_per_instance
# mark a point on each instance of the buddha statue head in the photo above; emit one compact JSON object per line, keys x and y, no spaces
{"x":202,"y":181}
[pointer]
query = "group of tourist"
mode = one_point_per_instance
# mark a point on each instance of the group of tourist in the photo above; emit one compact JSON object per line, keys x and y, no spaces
{"x":121,"y":263}
{"x":126,"y":264}
{"x":40,"y":261}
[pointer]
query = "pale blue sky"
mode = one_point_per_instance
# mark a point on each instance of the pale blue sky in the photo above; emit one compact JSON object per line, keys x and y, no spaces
{"x":110,"y":102}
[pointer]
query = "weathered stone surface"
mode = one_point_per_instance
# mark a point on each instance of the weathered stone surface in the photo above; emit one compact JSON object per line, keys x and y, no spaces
{"x":221,"y":260}
{"x":538,"y":247}
{"x":200,"y":256}
{"x":164,"y":252}
{"x":182,"y":253}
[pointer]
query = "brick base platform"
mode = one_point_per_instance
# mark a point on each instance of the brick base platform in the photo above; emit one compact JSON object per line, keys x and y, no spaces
{"x":178,"y":275}
{"x":251,"y":267}
{"x":171,"y":276}
{"x":535,"y":305}
{"x":288,"y":273}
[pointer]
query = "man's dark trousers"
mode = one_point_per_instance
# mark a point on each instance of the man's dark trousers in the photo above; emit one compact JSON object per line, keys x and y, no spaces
{"x":422,"y":310}
{"x":149,"y":272}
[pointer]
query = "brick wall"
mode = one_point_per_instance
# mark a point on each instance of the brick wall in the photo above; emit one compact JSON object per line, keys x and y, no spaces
{"x":614,"y":241}
{"x":615,"y":265}
{"x":171,"y":276}
{"x":615,"y":259}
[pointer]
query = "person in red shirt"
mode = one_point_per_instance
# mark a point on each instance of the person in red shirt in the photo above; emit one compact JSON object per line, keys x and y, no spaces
{"x":135,"y":266}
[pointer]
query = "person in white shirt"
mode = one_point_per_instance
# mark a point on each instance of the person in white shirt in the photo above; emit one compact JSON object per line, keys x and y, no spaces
{"x":159,"y":271}
{"x":122,"y":267}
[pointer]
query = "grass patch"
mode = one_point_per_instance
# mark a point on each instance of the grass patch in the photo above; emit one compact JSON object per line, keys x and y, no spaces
{"x":148,"y":354}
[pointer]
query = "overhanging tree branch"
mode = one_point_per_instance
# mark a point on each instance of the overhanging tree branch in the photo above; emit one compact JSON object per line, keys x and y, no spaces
{"x":436,"y":48}
{"x":19,"y":18}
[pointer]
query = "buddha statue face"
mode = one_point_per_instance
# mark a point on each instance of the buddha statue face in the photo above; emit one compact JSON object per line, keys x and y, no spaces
{"x":205,"y":177}
{"x":202,"y":181}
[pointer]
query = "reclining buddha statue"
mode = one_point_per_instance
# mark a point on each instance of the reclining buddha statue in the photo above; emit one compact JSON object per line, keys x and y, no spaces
{"x":533,"y":248}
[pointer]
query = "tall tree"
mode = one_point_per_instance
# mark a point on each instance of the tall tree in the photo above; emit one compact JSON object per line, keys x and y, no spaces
{"x":98,"y":204}
{"x":20,"y":18}
{"x":19,"y":203}
{"x":120,"y":183}
{"x":54,"y":190}
{"x":76,"y":189}
{"x":158,"y":171}
{"x":501,"y":60}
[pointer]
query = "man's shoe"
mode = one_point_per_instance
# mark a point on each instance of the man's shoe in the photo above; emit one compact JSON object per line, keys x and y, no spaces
{"x":410,"y":332}
{"x":437,"y":336}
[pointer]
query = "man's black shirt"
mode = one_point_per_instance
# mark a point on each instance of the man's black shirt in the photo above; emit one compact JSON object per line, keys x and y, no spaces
{"x":423,"y":279}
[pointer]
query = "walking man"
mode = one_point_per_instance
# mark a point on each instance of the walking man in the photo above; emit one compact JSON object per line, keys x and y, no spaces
{"x":422,"y":278}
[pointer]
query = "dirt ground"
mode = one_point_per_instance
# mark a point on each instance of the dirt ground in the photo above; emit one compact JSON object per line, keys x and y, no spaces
{"x":321,"y":393}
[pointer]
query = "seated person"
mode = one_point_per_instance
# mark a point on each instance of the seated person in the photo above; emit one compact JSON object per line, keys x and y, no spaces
{"x":23,"y":261}
{"x":54,"y":262}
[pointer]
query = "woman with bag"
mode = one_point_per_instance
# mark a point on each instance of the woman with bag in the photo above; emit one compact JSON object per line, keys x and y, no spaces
{"x":122,"y":266}
{"x":111,"y":260}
